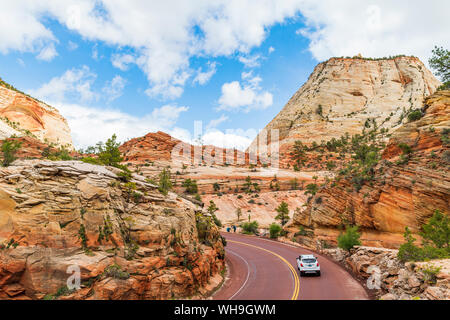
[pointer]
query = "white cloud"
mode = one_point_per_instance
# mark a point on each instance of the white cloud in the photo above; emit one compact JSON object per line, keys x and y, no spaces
{"x":245,"y":97}
{"x":122,"y":61}
{"x":72,"y":45}
{"x":250,"y":61}
{"x":114,"y":88}
{"x":203,"y":77}
{"x":229,"y":139}
{"x":271,"y":49}
{"x":215,"y":122}
{"x":375,"y":29}
{"x":90,"y":125}
{"x":73,"y":84}
{"x":47,"y":53}
{"x":21,"y":62}
{"x":162,"y":34}
{"x":95,"y":52}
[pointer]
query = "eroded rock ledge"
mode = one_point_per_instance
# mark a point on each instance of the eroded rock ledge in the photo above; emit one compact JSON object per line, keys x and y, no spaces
{"x":129,"y":241}
{"x":398,"y":281}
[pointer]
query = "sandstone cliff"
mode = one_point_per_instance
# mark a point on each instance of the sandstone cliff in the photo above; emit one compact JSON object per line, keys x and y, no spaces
{"x":128,"y":240}
{"x":392,"y":279}
{"x":22,"y":115}
{"x":409,"y":183}
{"x":342,"y":93}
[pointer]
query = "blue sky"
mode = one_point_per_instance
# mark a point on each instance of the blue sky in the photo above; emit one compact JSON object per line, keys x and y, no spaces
{"x":136,"y":68}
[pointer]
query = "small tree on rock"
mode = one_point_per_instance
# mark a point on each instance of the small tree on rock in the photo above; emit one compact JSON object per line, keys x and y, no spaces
{"x":349,"y":239}
{"x":165,"y":185}
{"x":283,"y":213}
{"x":9,"y":149}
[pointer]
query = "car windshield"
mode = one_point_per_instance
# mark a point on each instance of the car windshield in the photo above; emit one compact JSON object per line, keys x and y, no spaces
{"x":309,"y":260}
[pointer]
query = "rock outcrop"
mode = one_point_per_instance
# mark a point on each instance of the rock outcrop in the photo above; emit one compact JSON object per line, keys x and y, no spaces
{"x":127,"y":240}
{"x":409,"y":184}
{"x":22,"y":115}
{"x":391,"y":279}
{"x":342,"y":93}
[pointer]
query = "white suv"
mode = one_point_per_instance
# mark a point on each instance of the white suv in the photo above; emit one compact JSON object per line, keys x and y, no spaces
{"x":308,"y":264}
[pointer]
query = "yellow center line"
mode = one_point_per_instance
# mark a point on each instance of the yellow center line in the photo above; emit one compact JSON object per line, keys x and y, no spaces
{"x":294,"y":273}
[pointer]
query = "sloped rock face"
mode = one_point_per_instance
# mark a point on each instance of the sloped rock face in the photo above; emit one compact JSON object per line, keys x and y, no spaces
{"x":393,"y":280}
{"x":151,"y":147}
{"x":160,"y":146}
{"x":128,"y":240}
{"x":402,"y":193}
{"x":22,"y":115}
{"x":341,"y":94}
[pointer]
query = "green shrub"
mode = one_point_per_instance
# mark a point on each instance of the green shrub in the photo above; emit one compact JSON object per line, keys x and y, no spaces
{"x":283,"y":213}
{"x":414,"y":115}
{"x":301,"y":232}
{"x":437,"y":231}
{"x":312,"y":189}
{"x":212,"y":210}
{"x":92,"y":160}
{"x":408,"y":251}
{"x":164,"y":185}
{"x":349,"y":239}
{"x":9,"y":150}
{"x":115,"y":271}
{"x":435,"y":243}
{"x":250,"y":227}
{"x":191,"y":186}
{"x":440,"y":63}
{"x":274,"y":230}
{"x":406,"y":149}
{"x":430,"y":274}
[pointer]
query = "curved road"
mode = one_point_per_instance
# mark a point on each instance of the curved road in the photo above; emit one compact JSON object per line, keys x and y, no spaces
{"x":262,"y":269}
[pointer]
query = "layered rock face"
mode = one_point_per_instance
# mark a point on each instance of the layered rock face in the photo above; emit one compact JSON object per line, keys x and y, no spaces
{"x":127,"y":240}
{"x":342,"y":93}
{"x":403,"y":192}
{"x":393,"y":280}
{"x":22,"y":115}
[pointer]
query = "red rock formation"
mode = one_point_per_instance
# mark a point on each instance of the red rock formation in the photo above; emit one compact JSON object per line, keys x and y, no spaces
{"x":342,"y":93}
{"x":128,"y":240}
{"x":403,"y":193}
{"x":23,"y":115}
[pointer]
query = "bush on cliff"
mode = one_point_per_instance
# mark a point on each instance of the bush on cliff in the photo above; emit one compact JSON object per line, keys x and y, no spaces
{"x":9,"y":149}
{"x":191,"y":186}
{"x":274,"y":230}
{"x":414,"y":115}
{"x":164,"y":185}
{"x":349,"y":239}
{"x":435,"y":240}
{"x":440,"y":62}
{"x":283,"y":213}
{"x":108,"y":154}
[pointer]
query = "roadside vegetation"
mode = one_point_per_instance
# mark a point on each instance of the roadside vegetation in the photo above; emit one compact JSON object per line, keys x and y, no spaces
{"x":349,"y":239}
{"x":283,"y":213}
{"x":250,"y":228}
{"x":274,"y":230}
{"x":435,"y":240}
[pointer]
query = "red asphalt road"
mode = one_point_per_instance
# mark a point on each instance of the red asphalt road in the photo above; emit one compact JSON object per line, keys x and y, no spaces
{"x":258,"y":269}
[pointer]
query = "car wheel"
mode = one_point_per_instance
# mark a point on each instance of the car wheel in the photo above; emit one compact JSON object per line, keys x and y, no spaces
{"x":302,"y":273}
{"x":318,"y":273}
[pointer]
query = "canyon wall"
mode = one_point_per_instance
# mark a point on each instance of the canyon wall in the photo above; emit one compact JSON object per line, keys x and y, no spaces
{"x":127,"y":239}
{"x":342,"y":93}
{"x":405,"y":190}
{"x":22,"y":115}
